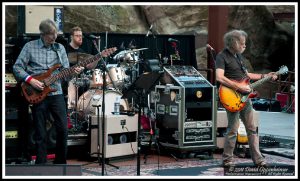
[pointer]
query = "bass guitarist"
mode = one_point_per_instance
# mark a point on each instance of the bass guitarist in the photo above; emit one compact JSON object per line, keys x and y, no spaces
{"x":37,"y":57}
{"x":230,"y":70}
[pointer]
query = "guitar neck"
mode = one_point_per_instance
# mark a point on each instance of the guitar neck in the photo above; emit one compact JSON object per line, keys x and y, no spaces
{"x":70,"y":71}
{"x":259,"y":82}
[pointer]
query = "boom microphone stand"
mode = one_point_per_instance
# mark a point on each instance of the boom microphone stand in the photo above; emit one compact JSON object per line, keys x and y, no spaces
{"x":104,"y":69}
{"x":154,"y":40}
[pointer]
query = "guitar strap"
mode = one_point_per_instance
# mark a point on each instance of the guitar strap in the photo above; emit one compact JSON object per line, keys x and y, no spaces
{"x":240,"y":61}
{"x":55,"y":48}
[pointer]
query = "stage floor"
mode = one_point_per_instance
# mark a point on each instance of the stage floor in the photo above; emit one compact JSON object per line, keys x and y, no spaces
{"x":275,"y":124}
{"x":164,"y":164}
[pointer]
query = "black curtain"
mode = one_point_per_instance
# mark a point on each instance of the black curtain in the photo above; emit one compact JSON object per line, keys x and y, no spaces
{"x":156,"y":45}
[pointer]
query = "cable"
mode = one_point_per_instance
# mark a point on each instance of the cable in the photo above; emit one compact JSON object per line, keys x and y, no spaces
{"x":130,"y":140}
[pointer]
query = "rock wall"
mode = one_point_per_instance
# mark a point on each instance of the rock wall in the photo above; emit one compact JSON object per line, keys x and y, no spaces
{"x":270,"y":43}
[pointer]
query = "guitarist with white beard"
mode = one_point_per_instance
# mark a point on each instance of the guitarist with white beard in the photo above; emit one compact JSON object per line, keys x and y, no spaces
{"x":230,"y":70}
{"x":37,"y":57}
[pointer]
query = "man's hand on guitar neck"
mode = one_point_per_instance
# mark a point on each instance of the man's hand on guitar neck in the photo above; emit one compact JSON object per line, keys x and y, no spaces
{"x":78,"y":70}
{"x":273,"y":75}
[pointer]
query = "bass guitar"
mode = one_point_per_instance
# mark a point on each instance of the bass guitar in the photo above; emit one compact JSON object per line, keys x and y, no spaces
{"x":34,"y":96}
{"x":235,"y":101}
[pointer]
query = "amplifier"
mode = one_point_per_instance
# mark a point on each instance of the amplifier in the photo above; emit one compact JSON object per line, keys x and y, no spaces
{"x":10,"y":80}
{"x":120,"y":135}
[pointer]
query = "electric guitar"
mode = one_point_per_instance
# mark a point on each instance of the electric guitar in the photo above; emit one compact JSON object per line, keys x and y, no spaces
{"x":34,"y":96}
{"x":234,"y":101}
{"x":242,"y":134}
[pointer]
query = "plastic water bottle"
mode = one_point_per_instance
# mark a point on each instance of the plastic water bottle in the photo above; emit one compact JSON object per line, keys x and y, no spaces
{"x":117,"y":106}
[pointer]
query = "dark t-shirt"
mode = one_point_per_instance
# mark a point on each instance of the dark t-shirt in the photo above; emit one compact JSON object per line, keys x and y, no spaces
{"x":233,"y":66}
{"x":81,"y":77}
{"x":70,"y":49}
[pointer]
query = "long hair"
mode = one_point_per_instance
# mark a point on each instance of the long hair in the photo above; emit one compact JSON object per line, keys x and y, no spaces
{"x":232,"y":36}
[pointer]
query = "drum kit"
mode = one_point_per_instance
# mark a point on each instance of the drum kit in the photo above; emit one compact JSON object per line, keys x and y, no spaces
{"x":118,"y":76}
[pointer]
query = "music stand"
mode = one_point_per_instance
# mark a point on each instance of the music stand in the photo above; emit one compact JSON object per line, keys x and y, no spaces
{"x":137,"y":90}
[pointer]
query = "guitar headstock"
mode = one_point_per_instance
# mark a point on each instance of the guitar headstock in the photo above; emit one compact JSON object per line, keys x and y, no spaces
{"x":108,"y":51}
{"x":283,"y":70}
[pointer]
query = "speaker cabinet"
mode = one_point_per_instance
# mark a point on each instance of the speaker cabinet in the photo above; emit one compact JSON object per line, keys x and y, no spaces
{"x":51,"y":135}
{"x":16,"y":116}
{"x":120,"y":135}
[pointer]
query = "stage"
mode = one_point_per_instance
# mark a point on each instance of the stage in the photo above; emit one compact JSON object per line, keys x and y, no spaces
{"x":276,"y":126}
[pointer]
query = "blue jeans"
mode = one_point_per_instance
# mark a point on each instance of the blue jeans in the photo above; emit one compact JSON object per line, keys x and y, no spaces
{"x":57,"y":107}
{"x":246,"y":116}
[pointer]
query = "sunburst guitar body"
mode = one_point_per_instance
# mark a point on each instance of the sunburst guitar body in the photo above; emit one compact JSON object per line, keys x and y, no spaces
{"x":234,"y":101}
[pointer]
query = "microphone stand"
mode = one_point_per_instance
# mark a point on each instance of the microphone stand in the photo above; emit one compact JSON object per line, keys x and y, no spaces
{"x":140,"y":94}
{"x":104,"y":69}
{"x":155,"y":41}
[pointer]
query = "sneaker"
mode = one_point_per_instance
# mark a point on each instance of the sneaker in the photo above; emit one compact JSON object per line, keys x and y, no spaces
{"x":262,"y":164}
{"x":227,"y":164}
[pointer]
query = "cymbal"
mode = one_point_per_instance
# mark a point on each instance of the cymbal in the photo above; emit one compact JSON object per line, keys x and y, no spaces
{"x":8,"y":45}
{"x":136,"y":50}
{"x":76,"y":57}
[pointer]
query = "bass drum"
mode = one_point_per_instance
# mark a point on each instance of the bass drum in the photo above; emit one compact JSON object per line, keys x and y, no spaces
{"x":95,"y":96}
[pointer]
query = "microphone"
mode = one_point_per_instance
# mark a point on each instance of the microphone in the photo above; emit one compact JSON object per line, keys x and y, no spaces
{"x":150,"y":30}
{"x":172,"y":40}
{"x":94,"y":37}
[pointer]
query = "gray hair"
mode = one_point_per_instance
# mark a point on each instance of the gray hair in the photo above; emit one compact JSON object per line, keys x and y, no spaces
{"x":232,"y":36}
{"x":46,"y":26}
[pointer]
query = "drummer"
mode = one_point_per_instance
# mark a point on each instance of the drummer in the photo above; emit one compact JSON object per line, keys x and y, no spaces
{"x":75,"y":46}
{"x":72,"y":48}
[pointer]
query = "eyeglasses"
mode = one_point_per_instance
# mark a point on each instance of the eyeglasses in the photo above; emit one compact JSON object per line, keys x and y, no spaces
{"x":78,"y":35}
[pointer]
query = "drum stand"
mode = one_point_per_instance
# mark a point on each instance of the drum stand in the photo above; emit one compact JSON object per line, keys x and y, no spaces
{"x":77,"y":85}
{"x":76,"y":102}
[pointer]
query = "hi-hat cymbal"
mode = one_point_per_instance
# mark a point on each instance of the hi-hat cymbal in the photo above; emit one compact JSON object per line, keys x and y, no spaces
{"x":76,"y":57}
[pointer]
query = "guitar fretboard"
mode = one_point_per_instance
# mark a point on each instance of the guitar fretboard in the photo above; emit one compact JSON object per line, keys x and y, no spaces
{"x":259,"y":82}
{"x":70,"y":71}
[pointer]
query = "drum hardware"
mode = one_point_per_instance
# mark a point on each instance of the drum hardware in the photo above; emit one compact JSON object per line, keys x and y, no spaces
{"x":128,"y":57}
{"x":81,"y":82}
